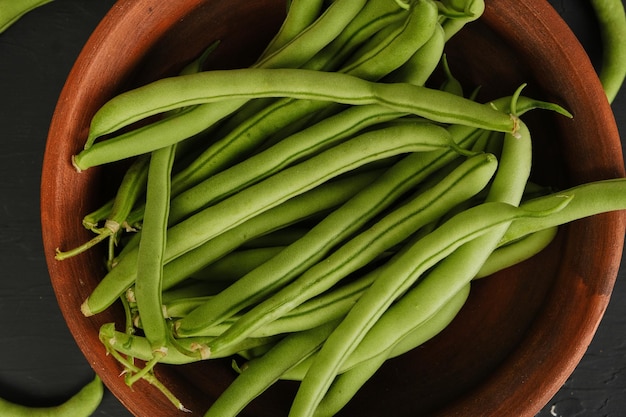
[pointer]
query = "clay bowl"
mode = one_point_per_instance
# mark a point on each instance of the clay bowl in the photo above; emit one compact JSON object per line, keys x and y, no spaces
{"x":521,"y":333}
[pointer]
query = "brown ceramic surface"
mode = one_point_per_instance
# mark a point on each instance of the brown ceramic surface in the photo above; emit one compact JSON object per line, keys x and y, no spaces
{"x":520,"y":334}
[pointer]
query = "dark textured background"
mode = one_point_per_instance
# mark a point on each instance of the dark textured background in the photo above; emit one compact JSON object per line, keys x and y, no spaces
{"x":40,"y":363}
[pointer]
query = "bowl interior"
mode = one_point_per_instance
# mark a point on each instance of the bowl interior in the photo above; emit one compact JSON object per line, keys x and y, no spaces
{"x":521,"y":333}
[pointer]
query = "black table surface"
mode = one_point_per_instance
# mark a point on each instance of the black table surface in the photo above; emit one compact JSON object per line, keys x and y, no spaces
{"x":40,"y":363}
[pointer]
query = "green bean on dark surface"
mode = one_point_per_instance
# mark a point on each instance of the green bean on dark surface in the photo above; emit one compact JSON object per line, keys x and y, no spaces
{"x":357,"y":202}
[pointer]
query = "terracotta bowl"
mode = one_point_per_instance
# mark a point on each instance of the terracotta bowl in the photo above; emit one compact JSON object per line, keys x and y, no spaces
{"x":521,"y":333}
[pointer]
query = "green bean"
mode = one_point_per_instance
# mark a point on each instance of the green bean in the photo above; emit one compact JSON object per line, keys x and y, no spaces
{"x":82,"y":404}
{"x":393,"y":46}
{"x":450,"y":83}
{"x":260,"y":373}
{"x":588,"y":199}
{"x":346,"y":384}
{"x":375,"y":15}
{"x":168,"y":94}
{"x":11,"y":11}
{"x":516,"y":252}
{"x":300,"y":15}
{"x":152,"y":248}
{"x":123,"y":275}
{"x":458,"y":13}
{"x":316,"y":36}
{"x":282,"y":237}
{"x":420,"y":66}
{"x":399,"y":275}
{"x":612,"y":20}
{"x":397,"y":226}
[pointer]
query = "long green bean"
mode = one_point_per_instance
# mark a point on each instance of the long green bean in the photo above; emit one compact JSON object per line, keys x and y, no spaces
{"x":168,"y":94}
{"x":82,"y":404}
{"x":612,"y":20}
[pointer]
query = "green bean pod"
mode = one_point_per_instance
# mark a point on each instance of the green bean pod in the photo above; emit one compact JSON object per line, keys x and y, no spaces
{"x":11,"y":11}
{"x":82,"y":404}
{"x":148,"y":284}
{"x":612,"y":21}
{"x":300,"y":15}
{"x":375,"y":15}
{"x":314,"y":37}
{"x":588,"y":199}
{"x":420,"y":66}
{"x":517,"y":251}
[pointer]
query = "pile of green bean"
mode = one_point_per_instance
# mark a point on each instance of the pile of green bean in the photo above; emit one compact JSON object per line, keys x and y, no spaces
{"x":319,"y":212}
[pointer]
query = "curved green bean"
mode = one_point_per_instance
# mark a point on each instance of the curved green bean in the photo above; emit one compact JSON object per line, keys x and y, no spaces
{"x":612,"y":20}
{"x":588,"y":199}
{"x":516,"y":252}
{"x":11,"y":11}
{"x":420,"y":66}
{"x":300,"y":15}
{"x":315,"y":36}
{"x":375,"y":15}
{"x":82,"y":404}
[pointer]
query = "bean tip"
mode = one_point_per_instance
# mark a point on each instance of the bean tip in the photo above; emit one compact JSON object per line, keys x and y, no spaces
{"x":85,"y":309}
{"x":75,"y":164}
{"x":515,"y":132}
